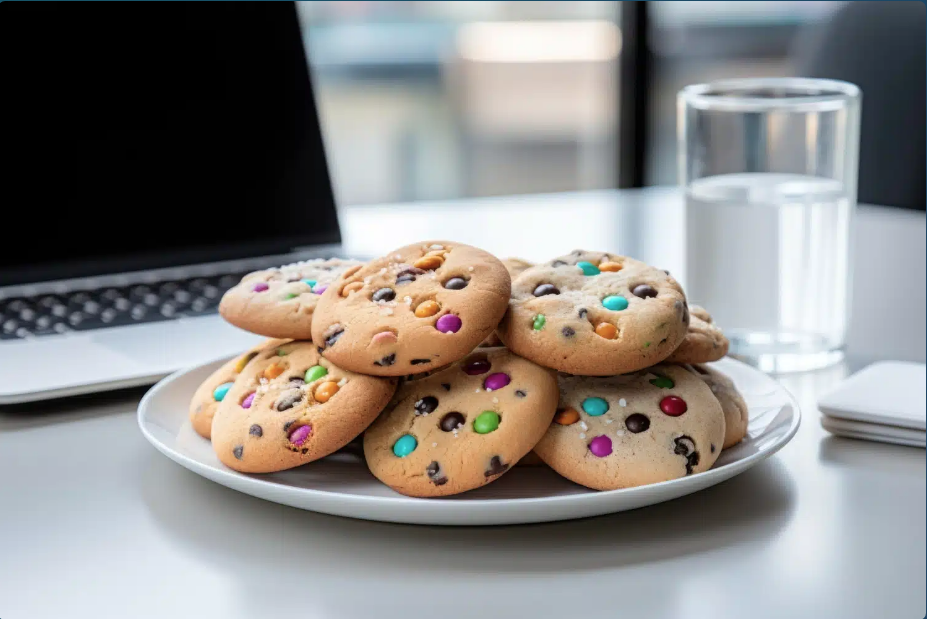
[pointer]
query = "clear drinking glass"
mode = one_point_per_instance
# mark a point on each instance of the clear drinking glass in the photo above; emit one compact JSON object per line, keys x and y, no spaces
{"x":769,"y":169}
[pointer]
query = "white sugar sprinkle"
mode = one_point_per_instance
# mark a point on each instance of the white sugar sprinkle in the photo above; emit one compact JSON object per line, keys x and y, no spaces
{"x":437,"y":246}
{"x":582,"y":424}
{"x":408,"y":300}
{"x":383,"y":270}
{"x":608,"y":421}
{"x":495,"y":400}
{"x":386,"y":311}
{"x":397,"y":257}
{"x":582,"y":435}
{"x":342,"y":382}
{"x":619,"y":432}
{"x":622,"y":402}
{"x":477,"y":390}
{"x":469,"y":268}
{"x":488,"y":390}
{"x":434,"y":444}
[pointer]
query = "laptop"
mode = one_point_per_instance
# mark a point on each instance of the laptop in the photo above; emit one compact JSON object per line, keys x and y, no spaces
{"x":151,"y":154}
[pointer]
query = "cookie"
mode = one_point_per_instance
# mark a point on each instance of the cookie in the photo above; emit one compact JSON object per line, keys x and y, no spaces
{"x":642,"y":428}
{"x":208,"y":395}
{"x":703,"y":342}
{"x":595,"y":314}
{"x":461,"y":427}
{"x":280,"y":302}
{"x":421,"y":307}
{"x":289,"y":407}
{"x":736,"y":413}
{"x":515,"y":266}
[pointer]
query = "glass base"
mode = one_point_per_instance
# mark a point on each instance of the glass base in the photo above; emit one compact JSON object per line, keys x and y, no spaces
{"x":782,"y":351}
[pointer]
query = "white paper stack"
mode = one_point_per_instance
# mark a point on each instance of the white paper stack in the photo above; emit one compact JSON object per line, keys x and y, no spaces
{"x":885,"y":402}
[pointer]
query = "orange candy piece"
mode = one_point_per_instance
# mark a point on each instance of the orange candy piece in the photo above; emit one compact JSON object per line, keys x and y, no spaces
{"x":426,"y":309}
{"x":611,"y":267}
{"x":566,"y":416}
{"x":352,"y":287}
{"x":273,"y":370}
{"x":429,"y":262}
{"x":606,"y":330}
{"x":325,"y":391}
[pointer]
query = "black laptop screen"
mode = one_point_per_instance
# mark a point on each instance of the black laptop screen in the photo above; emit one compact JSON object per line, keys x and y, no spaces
{"x":137,"y":135}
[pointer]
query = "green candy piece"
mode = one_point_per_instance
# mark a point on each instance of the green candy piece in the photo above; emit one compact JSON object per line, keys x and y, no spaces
{"x":281,"y":352}
{"x":588,"y":268}
{"x":646,"y":344}
{"x":290,"y":295}
{"x":486,"y":422}
{"x":663,"y":382}
{"x":315,"y":373}
{"x":219,"y":394}
{"x":404,"y":446}
{"x":539,"y":321}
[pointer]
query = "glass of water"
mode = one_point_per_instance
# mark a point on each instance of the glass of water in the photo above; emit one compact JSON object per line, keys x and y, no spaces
{"x":769,"y":170}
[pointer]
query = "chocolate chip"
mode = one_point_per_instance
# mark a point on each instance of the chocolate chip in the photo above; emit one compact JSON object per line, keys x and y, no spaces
{"x":558,"y":263}
{"x":434,"y":474}
{"x":582,"y":312}
{"x":545,"y":289}
{"x":426,"y":405}
{"x":237,"y":452}
{"x":288,"y":399}
{"x":297,"y":380}
{"x":420,"y":361}
{"x":568,"y":332}
{"x":637,"y":423}
{"x":384,"y":294}
{"x":304,"y":450}
{"x":331,"y":339}
{"x":455,"y":283}
{"x":452,"y":421}
{"x":320,"y":349}
{"x":577,"y":252}
{"x":665,"y":271}
{"x":712,"y":448}
{"x":408,"y":275}
{"x":447,"y":386}
{"x":644,"y":291}
{"x":256,"y":430}
{"x":496,"y":467}
{"x":520,"y":394}
{"x":386,"y":361}
{"x":287,"y":425}
{"x":685,"y":446}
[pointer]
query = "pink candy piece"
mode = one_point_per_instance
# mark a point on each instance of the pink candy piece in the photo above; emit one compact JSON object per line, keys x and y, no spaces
{"x":247,"y":402}
{"x":319,"y":289}
{"x":449,"y":323}
{"x":384,"y":337}
{"x":600,"y":446}
{"x":260,"y":287}
{"x":496,"y":381}
{"x":300,"y":434}
{"x":479,"y":366}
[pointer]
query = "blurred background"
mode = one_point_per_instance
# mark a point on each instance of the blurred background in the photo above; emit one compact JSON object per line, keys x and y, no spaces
{"x":424,"y":100}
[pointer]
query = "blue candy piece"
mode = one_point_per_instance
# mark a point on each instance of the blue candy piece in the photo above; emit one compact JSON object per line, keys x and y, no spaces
{"x":309,"y":282}
{"x":219,"y":393}
{"x":588,"y":268}
{"x":616,"y":303}
{"x":404,"y":446}
{"x":595,"y":406}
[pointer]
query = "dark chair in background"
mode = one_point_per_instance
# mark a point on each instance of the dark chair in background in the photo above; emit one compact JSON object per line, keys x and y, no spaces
{"x":879,"y":46}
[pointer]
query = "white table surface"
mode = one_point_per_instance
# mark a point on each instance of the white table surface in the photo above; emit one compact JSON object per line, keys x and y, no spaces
{"x":95,"y":523}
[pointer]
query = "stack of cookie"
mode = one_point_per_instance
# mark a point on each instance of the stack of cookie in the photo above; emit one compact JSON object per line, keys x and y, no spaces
{"x":455,"y":366}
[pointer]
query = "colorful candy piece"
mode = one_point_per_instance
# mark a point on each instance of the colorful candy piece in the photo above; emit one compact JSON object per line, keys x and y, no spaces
{"x":595,"y":406}
{"x":245,"y":359}
{"x":260,"y":287}
{"x":637,"y":423}
{"x":588,"y":268}
{"x":566,"y":416}
{"x":429,"y":262}
{"x":673,"y":406}
{"x":663,"y":382}
{"x":496,"y":381}
{"x":456,"y":283}
{"x":426,"y":309}
{"x":476,"y":367}
{"x":315,"y":373}
{"x":219,"y":392}
{"x":290,"y":295}
{"x":319,"y":289}
{"x":300,"y":435}
{"x":384,"y":337}
{"x":325,"y":391}
{"x":600,"y":446}
{"x":449,"y":323}
{"x":616,"y":303}
{"x":404,"y":446}
{"x":248,"y":401}
{"x":539,"y":321}
{"x":310,"y":282}
{"x":486,"y":422}
{"x":273,"y":370}
{"x":606,"y":330}
{"x":610,"y":267}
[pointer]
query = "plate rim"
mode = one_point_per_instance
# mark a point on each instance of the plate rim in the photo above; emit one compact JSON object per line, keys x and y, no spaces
{"x":433,"y":506}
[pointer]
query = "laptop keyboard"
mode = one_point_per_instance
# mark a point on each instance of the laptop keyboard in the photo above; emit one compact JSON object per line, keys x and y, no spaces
{"x":82,"y":310}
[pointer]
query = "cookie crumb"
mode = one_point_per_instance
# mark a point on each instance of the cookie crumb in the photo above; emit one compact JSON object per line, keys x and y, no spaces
{"x":582,"y":435}
{"x":470,"y":269}
{"x":386,"y":311}
{"x":619,"y":432}
{"x":343,"y":382}
{"x":434,"y":444}
{"x":495,"y":400}
{"x":608,"y":421}
{"x":437,"y":246}
{"x":408,"y":300}
{"x":397,"y":257}
{"x":582,"y":424}
{"x":622,"y":402}
{"x":477,"y":390}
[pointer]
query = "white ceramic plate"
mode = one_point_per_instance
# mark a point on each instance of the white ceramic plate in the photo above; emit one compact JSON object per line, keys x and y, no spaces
{"x":342,"y":485}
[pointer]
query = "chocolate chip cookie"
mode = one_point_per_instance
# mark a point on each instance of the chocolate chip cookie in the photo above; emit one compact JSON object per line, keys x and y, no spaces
{"x":289,"y":406}
{"x":461,"y":427}
{"x":736,"y":413}
{"x":280,"y":302}
{"x":421,"y":307}
{"x":595,"y":314}
{"x":703,"y":342}
{"x":208,"y":395}
{"x":642,"y":428}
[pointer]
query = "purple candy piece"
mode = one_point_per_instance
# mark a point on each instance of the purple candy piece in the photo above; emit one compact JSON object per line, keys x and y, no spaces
{"x":479,"y":366}
{"x":260,"y":287}
{"x":319,"y":289}
{"x":496,"y":381}
{"x":600,"y":446}
{"x":300,"y":434}
{"x":246,"y":403}
{"x":449,"y":323}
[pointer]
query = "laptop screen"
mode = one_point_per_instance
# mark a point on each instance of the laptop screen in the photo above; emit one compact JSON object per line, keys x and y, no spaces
{"x":139,"y":135}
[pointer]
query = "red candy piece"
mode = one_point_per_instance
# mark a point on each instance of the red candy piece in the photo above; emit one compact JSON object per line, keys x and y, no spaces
{"x":478,"y":366}
{"x":673,"y":406}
